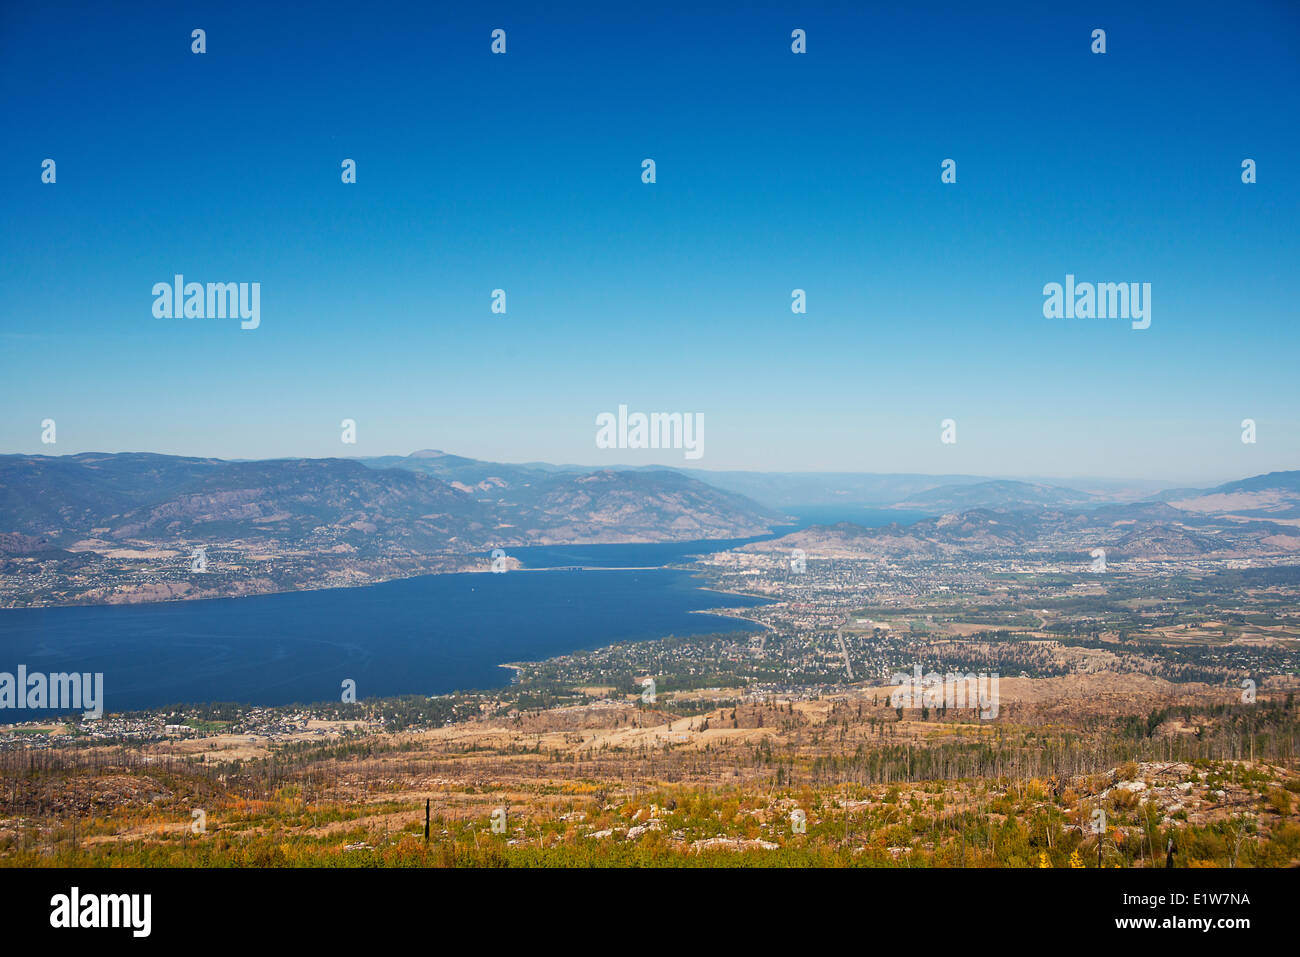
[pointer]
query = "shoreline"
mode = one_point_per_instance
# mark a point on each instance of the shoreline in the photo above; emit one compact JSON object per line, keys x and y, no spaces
{"x":726,"y":616}
{"x":481,"y":566}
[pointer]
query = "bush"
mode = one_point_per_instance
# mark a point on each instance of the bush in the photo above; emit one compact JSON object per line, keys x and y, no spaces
{"x":1280,"y":801}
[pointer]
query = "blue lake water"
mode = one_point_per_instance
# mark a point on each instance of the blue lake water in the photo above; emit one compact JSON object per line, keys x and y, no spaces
{"x":431,"y":634}
{"x":424,"y":635}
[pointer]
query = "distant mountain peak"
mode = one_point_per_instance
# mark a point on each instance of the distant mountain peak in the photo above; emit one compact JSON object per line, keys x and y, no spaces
{"x":1272,"y":496}
{"x":1286,"y":481}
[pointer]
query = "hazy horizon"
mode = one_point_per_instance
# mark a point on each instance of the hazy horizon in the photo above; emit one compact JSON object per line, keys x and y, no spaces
{"x":1158,"y":484}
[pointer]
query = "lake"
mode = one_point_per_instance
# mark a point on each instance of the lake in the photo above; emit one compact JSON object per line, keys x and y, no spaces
{"x":426,"y":635}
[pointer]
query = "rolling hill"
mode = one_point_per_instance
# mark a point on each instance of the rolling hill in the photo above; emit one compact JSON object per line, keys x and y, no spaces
{"x":995,"y":494}
{"x":156,"y":498}
{"x":1274,"y":496}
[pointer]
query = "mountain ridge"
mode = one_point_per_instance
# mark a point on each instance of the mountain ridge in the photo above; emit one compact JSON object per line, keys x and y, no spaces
{"x":142,"y":496}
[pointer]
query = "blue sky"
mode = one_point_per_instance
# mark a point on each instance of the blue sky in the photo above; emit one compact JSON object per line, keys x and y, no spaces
{"x":775,"y":171}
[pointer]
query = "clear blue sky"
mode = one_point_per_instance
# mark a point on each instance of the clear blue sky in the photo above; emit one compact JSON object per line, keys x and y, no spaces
{"x":775,"y":171}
